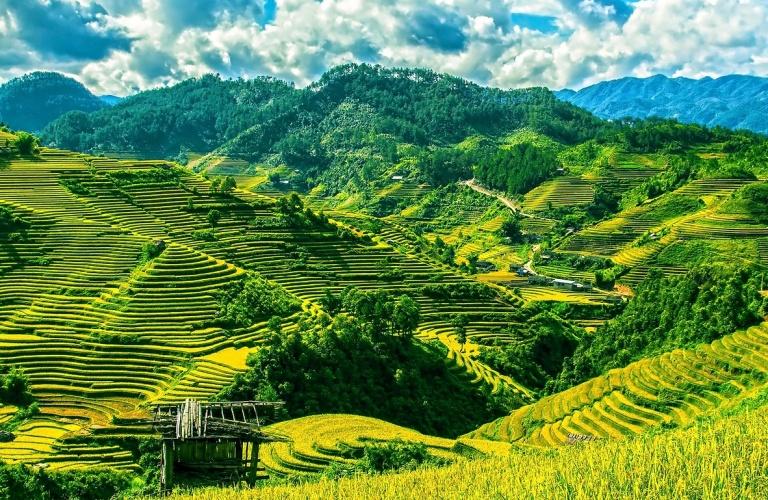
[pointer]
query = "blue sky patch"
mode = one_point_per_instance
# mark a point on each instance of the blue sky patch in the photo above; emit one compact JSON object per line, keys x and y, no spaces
{"x":544,"y":24}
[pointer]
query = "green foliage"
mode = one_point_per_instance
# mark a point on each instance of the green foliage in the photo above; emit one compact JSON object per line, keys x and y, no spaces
{"x":445,"y":165}
{"x":290,"y":204}
{"x":75,"y":186}
{"x":538,"y":356}
{"x":21,"y":482}
{"x":679,"y":171}
{"x":460,"y":290}
{"x":204,"y":235}
{"x":345,"y":365}
{"x":382,"y":312}
{"x":196,"y":115}
{"x":512,"y":228}
{"x":151,"y":250}
{"x":156,"y":175}
{"x":26,"y":143}
{"x":396,"y":455}
{"x":517,"y":169}
{"x":654,"y":134}
{"x":11,"y":225}
{"x":752,"y":200}
{"x":228,"y":185}
{"x":670,"y":312}
{"x":213,"y":217}
{"x":246,"y":301}
{"x":14,"y":387}
{"x":606,"y":278}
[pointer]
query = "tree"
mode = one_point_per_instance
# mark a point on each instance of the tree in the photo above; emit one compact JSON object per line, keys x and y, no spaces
{"x":213,"y":217}
{"x":330,"y":302}
{"x":215,"y":185}
{"x":274,"y":178}
{"x":459,"y":323}
{"x":472,"y":263}
{"x":405,"y":316}
{"x":26,"y":143}
{"x":289,"y":204}
{"x":512,"y":229}
{"x":228,"y":185}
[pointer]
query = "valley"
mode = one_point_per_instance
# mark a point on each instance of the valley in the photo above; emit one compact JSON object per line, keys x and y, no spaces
{"x":421,"y":294}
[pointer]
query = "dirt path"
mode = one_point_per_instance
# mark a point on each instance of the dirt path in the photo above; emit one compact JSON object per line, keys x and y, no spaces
{"x":472,"y":183}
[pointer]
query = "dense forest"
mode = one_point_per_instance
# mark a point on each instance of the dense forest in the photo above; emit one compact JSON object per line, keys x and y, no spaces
{"x":349,"y":124}
{"x":195,"y":115}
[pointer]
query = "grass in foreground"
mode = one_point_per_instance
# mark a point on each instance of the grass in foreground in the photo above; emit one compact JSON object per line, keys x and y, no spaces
{"x":725,"y":458}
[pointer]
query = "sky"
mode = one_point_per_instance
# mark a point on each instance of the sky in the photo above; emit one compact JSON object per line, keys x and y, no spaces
{"x":123,"y":46}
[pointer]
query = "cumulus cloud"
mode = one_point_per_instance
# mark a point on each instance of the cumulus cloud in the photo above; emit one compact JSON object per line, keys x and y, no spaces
{"x":121,"y":46}
{"x":63,"y":30}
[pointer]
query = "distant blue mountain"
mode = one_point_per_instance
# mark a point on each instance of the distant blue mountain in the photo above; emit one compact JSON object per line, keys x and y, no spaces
{"x":734,"y":101}
{"x":110,"y":100}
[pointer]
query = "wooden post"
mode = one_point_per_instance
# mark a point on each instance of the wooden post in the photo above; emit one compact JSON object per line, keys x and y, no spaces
{"x":254,"y":472}
{"x":166,"y":463}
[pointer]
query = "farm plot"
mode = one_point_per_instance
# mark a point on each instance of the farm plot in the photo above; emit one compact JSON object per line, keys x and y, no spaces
{"x":672,"y":388}
{"x":560,"y":192}
{"x":321,"y":441}
{"x":101,"y":329}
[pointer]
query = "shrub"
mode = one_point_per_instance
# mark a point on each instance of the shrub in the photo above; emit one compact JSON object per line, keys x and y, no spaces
{"x":20,"y":482}
{"x":204,"y":235}
{"x":396,"y":455}
{"x":26,"y":143}
{"x":153,"y":249}
{"x":14,"y":387}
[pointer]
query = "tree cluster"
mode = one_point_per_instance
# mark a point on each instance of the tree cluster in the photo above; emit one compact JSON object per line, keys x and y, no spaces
{"x":252,"y":299}
{"x":361,"y":360}
{"x":668,"y":312}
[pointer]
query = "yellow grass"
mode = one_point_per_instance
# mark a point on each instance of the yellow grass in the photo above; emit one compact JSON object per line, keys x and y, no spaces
{"x":722,"y":459}
{"x":230,"y":356}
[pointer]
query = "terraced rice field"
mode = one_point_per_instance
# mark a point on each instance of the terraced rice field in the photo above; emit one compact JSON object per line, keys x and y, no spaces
{"x":560,"y":192}
{"x":673,"y":388}
{"x":636,"y":236}
{"x":101,"y":333}
{"x":320,"y":441}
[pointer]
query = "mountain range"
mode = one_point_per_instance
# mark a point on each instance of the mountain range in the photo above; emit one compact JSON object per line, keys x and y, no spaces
{"x":34,"y":100}
{"x":733,"y":101}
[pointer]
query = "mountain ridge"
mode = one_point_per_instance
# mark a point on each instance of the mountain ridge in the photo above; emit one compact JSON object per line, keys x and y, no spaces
{"x":731,"y":101}
{"x":33,"y":100}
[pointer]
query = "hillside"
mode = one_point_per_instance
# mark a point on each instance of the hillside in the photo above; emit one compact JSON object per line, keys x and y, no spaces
{"x":517,"y":269}
{"x":707,"y":460}
{"x":350,"y":109}
{"x":733,"y":101}
{"x":99,"y":342}
{"x":32,"y":101}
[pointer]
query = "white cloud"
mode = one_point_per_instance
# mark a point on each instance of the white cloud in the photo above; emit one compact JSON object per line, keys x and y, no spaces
{"x":597,"y":39}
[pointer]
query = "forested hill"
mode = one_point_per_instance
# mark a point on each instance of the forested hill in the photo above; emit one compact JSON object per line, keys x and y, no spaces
{"x":360,"y":125}
{"x":195,"y":115}
{"x":266,"y":116}
{"x":733,"y":101}
{"x":32,"y":101}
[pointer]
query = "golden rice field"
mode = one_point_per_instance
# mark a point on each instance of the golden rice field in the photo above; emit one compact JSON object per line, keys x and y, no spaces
{"x":319,"y":441}
{"x":101,"y":334}
{"x":671,"y":389}
{"x":721,"y":458}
